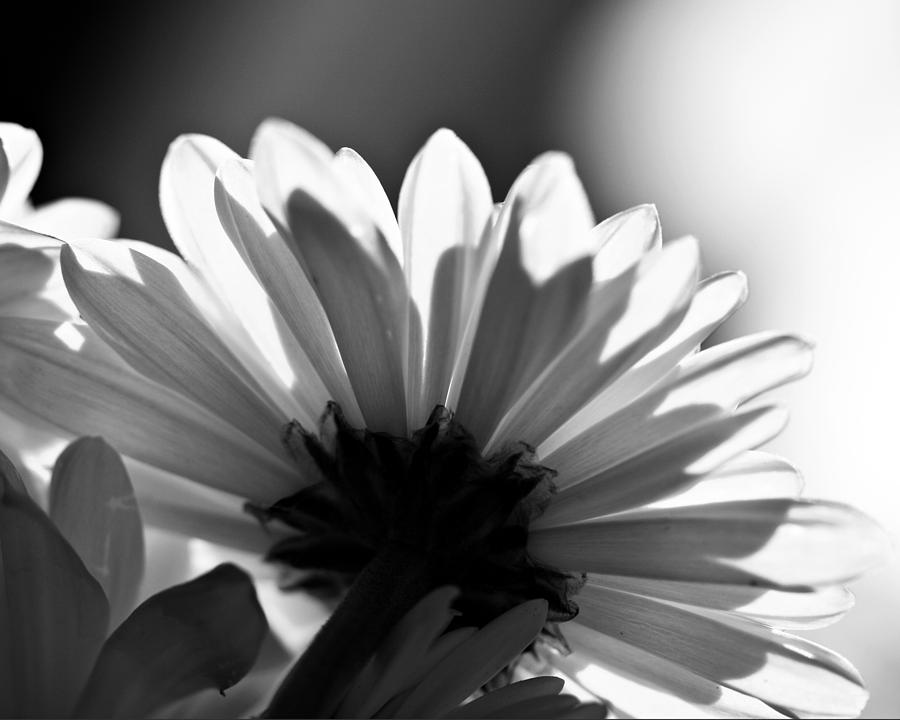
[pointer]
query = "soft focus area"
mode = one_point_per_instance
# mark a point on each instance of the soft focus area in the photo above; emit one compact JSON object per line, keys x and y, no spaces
{"x":770,"y":130}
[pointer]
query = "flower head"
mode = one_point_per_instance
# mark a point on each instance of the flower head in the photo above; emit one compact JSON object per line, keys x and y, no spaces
{"x":681,"y":546}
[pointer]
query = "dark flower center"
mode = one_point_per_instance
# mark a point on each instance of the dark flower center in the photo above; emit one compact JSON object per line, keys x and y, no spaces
{"x":432,"y":496}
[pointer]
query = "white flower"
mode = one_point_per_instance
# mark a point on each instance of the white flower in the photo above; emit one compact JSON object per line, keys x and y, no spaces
{"x":21,"y":154}
{"x":528,"y":321}
{"x":31,"y":284}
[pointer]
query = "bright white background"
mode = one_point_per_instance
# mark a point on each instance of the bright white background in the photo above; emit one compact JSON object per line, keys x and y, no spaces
{"x":771,"y":131}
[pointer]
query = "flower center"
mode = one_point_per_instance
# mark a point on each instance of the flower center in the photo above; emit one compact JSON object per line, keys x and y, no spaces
{"x":433,"y":497}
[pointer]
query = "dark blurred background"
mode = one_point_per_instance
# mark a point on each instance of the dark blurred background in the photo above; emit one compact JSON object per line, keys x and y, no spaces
{"x":124,"y":79}
{"x":768,"y":128}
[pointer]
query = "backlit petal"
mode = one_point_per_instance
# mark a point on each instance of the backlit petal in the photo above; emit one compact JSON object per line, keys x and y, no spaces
{"x":778,"y":541}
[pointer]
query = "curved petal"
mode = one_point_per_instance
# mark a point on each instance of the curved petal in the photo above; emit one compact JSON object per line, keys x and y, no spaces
{"x":93,"y":505}
{"x":53,"y":613}
{"x":206,"y":633}
{"x":73,"y":219}
{"x":780,"y":669}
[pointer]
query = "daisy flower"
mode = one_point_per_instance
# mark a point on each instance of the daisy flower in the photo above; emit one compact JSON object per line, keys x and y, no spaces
{"x":67,"y":579}
{"x":513,"y":404}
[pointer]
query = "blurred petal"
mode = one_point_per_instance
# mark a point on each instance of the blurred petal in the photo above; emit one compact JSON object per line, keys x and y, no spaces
{"x":398,"y":663}
{"x":24,"y":155}
{"x":93,"y":505}
{"x":4,"y":170}
{"x":67,"y":376}
{"x":495,"y":701}
{"x":53,"y":614}
{"x":475,"y":661}
{"x":783,"y":542}
{"x":74,"y":219}
{"x":206,"y":633}
{"x":198,"y":511}
{"x":445,"y":204}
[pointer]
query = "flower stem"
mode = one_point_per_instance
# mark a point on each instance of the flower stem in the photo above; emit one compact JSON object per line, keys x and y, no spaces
{"x":393,"y":581}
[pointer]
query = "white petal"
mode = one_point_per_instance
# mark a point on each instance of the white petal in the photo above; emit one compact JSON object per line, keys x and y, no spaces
{"x":624,"y":239}
{"x":257,"y":333}
{"x":73,"y":219}
{"x":356,"y":274}
{"x":357,"y":176}
{"x":92,"y":503}
{"x":192,"y":510}
{"x":624,"y":322}
{"x":536,"y":299}
{"x":780,"y":669}
{"x":312,"y":348}
{"x":799,"y":609}
{"x":665,"y":468}
{"x":782,"y":542}
{"x":753,"y":475}
{"x":714,"y":380}
{"x":445,"y":205}
{"x":24,"y":155}
{"x":149,"y":315}
{"x":637,"y":685}
{"x":63,"y":373}
{"x":716,"y":299}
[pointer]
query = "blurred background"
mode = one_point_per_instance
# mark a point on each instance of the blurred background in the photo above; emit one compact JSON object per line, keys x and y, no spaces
{"x":770,"y":130}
